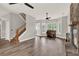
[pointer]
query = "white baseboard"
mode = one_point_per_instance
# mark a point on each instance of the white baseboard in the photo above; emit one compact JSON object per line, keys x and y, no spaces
{"x":26,"y":39}
{"x":61,"y":36}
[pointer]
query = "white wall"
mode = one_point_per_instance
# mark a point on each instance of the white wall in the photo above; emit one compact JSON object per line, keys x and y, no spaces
{"x":30,"y":29}
{"x":3,"y":11}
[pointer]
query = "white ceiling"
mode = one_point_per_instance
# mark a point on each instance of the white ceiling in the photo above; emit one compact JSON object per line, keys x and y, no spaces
{"x":54,"y":9}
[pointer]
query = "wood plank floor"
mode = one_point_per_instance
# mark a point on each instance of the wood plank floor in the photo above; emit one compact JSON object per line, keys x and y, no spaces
{"x":35,"y":47}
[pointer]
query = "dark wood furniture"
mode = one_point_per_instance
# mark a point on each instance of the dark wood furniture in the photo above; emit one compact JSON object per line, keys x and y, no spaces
{"x":51,"y":33}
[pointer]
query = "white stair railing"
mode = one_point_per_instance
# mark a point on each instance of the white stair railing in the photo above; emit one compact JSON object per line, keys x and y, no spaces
{"x":22,"y":18}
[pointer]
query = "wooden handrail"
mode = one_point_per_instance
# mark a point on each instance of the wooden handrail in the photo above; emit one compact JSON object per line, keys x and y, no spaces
{"x":17,"y":35}
{"x":23,"y":15}
{"x":17,"y":32}
{"x":18,"y":29}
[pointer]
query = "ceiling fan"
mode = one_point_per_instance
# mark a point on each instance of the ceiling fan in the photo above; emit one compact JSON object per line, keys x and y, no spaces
{"x":47,"y":17}
{"x":27,"y":4}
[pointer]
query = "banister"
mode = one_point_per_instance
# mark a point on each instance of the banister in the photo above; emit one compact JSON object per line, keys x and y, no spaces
{"x":22,"y":18}
{"x":17,"y":32}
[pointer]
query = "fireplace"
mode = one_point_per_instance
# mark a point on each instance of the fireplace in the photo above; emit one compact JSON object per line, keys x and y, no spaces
{"x":74,"y":35}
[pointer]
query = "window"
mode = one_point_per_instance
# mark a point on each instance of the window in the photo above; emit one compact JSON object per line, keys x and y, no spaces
{"x":55,"y":26}
{"x":52,"y":26}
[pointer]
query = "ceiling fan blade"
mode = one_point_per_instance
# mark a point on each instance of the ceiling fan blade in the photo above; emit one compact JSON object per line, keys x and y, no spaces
{"x":29,"y":5}
{"x":12,"y":3}
{"x":24,"y":4}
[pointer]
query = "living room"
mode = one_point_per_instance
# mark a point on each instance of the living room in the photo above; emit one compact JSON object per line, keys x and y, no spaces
{"x":36,"y":27}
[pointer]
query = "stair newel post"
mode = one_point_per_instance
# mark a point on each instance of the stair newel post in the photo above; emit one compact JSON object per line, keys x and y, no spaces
{"x":17,"y":36}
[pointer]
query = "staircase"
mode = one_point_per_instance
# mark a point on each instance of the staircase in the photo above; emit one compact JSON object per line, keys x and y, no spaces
{"x":19,"y":31}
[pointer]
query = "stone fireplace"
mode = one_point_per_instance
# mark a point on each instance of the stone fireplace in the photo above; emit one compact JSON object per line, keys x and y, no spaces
{"x":74,"y":19}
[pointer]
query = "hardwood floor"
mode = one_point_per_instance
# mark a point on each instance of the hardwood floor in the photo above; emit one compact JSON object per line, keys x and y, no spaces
{"x":3,"y":42}
{"x":71,"y":50}
{"x":35,"y":47}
